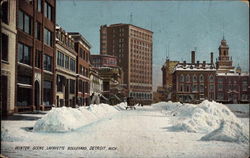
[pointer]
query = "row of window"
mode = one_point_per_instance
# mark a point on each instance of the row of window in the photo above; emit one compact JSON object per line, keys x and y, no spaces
{"x":187,"y":78}
{"x":83,"y":71}
{"x":83,"y":86}
{"x":47,"y":9}
{"x":194,"y":88}
{"x":66,"y":62}
{"x":66,"y":40}
{"x":84,"y":55}
{"x":63,"y":82}
{"x":231,"y":97}
{"x":140,"y":95}
{"x":244,"y":86}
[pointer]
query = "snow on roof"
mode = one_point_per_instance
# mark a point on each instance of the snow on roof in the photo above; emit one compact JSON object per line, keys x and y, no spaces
{"x":233,"y":74}
{"x":194,"y":67}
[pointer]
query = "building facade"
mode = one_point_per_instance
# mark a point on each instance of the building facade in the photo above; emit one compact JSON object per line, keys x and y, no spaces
{"x":167,"y":73}
{"x":195,"y":81}
{"x":82,"y":48}
{"x":132,"y":46}
{"x":232,"y":87}
{"x":96,"y":81}
{"x":8,"y":58}
{"x":35,"y":54}
{"x":65,"y":69}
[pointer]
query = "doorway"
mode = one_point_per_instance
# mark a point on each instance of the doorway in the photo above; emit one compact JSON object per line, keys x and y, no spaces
{"x":37,"y":95}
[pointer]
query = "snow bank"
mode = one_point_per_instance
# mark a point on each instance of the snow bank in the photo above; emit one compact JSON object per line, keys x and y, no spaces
{"x":67,"y":119}
{"x":7,"y":136}
{"x":229,"y":131}
{"x":166,"y":105}
{"x":209,"y":117}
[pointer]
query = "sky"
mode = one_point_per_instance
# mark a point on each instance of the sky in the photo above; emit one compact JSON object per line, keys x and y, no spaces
{"x":179,"y":26}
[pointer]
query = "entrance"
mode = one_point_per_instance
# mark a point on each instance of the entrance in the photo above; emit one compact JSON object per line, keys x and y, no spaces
{"x":37,"y":96}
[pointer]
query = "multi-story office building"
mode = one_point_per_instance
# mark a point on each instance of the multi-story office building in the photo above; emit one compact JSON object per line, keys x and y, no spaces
{"x":194,"y":81}
{"x":8,"y":58}
{"x":82,"y":48}
{"x":35,"y":55}
{"x":65,"y":69}
{"x":132,"y":46}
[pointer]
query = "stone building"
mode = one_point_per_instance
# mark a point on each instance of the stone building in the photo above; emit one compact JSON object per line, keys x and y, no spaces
{"x":195,"y":81}
{"x":133,"y":47}
{"x":8,"y":58}
{"x":167,"y":73}
{"x":35,"y":55}
{"x":82,"y":48}
{"x":96,"y":81}
{"x":65,"y":69}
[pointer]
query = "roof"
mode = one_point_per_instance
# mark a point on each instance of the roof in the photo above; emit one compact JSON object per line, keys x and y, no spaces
{"x":122,"y":24}
{"x":78,"y":36}
{"x":233,"y":74}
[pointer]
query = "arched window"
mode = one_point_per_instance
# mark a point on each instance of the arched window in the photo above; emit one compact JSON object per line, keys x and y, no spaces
{"x":181,"y":78}
{"x":201,"y":78}
{"x":194,"y":78}
{"x":211,"y":78}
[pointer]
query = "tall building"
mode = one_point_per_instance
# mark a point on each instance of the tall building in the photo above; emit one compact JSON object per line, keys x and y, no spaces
{"x":8,"y":59}
{"x":132,"y":46}
{"x":65,"y":69}
{"x":82,"y":48}
{"x":35,"y":55}
{"x":195,"y":81}
{"x":224,"y":62}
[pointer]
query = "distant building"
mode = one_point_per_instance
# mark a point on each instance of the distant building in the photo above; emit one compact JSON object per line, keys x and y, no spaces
{"x":195,"y":81}
{"x":132,"y":46}
{"x":35,"y":53}
{"x":65,"y":69}
{"x":103,"y":60}
{"x":96,"y":81}
{"x":167,"y":73}
{"x":82,"y":48}
{"x":8,"y":60}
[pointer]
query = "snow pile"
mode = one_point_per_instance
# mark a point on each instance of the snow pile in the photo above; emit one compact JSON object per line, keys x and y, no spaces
{"x":7,"y":136}
{"x":67,"y":119}
{"x":229,"y":131}
{"x":210,"y":117}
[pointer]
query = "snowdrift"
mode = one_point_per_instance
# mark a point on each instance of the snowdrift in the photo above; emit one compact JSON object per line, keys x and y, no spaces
{"x":67,"y":119}
{"x":211,"y":118}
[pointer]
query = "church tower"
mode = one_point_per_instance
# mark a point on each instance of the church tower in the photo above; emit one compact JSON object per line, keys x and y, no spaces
{"x":224,"y":62}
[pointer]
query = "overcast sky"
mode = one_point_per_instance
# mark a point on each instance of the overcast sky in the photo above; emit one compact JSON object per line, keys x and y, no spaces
{"x":179,"y":26}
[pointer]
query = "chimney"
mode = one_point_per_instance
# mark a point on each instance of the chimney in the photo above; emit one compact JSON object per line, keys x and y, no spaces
{"x":204,"y":64}
{"x":184,"y":63}
{"x":198,"y":63}
{"x":193,"y":57}
{"x":212,"y":57}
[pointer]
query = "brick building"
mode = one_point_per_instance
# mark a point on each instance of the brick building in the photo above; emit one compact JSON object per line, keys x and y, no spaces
{"x":65,"y":69}
{"x":8,"y":58}
{"x":232,"y":87}
{"x":82,"y":48}
{"x":35,"y":54}
{"x":195,"y":81}
{"x":132,"y":46}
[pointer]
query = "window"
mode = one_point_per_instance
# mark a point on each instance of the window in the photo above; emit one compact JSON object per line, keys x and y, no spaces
{"x":5,"y":11}
{"x":24,"y":54}
{"x":24,"y":22}
{"x":72,"y":86}
{"x":48,"y":11}
{"x":211,"y":78}
{"x":194,"y":88}
{"x":181,"y":78}
{"x":48,"y":37}
{"x":80,"y":86}
{"x":39,"y":5}
{"x":211,"y":87}
{"x":66,"y":62}
{"x":60,"y":59}
{"x":201,"y":78}
{"x":244,"y":85}
{"x":38,"y":59}
{"x":47,"y":92}
{"x":24,"y":79}
{"x":5,"y":46}
{"x":60,"y":83}
{"x":187,"y":78}
{"x":72,"y":65}
{"x":194,"y":78}
{"x":47,"y":62}
{"x":201,"y":88}
{"x":38,"y":30}
{"x":220,"y":96}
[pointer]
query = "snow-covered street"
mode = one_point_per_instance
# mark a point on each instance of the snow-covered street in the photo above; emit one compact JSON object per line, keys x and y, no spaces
{"x":144,"y":132}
